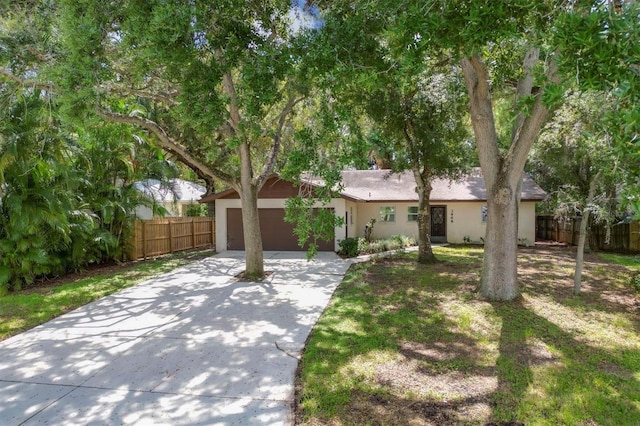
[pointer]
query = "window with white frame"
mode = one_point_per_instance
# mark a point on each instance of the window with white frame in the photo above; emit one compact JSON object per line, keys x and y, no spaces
{"x":387,"y":214}
{"x":484,"y":213}
{"x":412,"y":214}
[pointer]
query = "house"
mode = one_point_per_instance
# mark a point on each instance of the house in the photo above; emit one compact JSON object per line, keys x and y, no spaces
{"x":174,"y":195}
{"x":458,"y":209}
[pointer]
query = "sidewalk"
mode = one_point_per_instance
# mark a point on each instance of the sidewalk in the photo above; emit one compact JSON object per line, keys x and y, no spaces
{"x":195,"y":346}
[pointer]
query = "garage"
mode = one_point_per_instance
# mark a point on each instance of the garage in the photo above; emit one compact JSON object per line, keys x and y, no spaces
{"x":276,"y":233}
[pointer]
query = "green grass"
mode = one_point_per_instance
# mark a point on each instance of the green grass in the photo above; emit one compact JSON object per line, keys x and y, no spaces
{"x":628,"y":260}
{"x":28,"y":308}
{"x":403,"y":343}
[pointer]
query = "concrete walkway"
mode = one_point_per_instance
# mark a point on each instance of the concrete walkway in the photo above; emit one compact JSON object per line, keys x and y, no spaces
{"x":195,"y":346}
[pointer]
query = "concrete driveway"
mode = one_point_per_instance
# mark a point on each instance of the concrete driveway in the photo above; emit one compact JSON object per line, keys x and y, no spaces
{"x":195,"y":346}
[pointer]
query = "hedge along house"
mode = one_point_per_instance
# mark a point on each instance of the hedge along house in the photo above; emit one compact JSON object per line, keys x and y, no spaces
{"x":458,"y":210}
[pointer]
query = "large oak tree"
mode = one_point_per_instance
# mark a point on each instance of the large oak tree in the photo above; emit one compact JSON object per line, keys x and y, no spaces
{"x":517,"y":53}
{"x":214,"y":83}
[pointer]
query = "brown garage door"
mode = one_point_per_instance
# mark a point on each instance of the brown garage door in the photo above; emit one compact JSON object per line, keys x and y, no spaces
{"x":276,"y":233}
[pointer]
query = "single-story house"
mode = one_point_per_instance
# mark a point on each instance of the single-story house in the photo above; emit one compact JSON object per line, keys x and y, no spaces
{"x":174,"y":195}
{"x":458,"y":209}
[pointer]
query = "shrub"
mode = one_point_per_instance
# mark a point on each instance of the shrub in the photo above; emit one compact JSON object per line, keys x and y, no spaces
{"x":368,"y":230}
{"x":197,"y":210}
{"x":349,"y":247}
{"x":394,"y":243}
{"x":635,"y":282}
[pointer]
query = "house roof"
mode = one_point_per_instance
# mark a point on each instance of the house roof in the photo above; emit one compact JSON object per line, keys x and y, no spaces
{"x":173,"y":190}
{"x":382,"y":185}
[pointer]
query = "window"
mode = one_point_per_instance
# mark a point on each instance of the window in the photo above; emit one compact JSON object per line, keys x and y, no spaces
{"x":387,"y":214}
{"x":412,"y":214}
{"x":484,"y":213}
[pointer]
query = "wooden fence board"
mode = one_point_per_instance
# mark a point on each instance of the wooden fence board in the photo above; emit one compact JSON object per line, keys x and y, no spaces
{"x":168,"y":235}
{"x":623,"y":237}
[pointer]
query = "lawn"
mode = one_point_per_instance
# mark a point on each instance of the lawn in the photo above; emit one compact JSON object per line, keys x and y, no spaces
{"x":26,"y":309}
{"x":403,"y":343}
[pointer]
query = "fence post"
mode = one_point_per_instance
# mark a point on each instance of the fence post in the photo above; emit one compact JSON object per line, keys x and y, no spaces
{"x":170,"y":224}
{"x":144,"y":240}
{"x":193,"y":232}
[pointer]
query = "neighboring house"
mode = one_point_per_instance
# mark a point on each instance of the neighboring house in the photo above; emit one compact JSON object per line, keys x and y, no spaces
{"x":174,"y":195}
{"x":458,"y":210}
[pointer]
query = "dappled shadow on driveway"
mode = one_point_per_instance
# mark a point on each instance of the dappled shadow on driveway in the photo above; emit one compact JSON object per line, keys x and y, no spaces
{"x":195,"y":346}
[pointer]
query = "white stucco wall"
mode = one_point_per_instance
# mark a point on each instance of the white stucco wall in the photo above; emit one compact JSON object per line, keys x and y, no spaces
{"x":366,"y":211}
{"x":339,"y":206}
{"x":467,"y":221}
{"x":174,"y":209}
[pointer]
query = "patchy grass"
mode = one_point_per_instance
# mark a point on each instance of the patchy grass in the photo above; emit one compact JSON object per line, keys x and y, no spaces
{"x":28,"y":308}
{"x":409,"y":344}
{"x":631,"y":261}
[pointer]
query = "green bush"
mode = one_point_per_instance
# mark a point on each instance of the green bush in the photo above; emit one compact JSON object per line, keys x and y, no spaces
{"x":635,"y":282}
{"x":197,"y":210}
{"x":396,"y":242}
{"x":348,"y":247}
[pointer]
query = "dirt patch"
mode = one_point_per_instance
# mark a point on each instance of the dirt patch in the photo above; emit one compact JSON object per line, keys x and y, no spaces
{"x":242,"y":277}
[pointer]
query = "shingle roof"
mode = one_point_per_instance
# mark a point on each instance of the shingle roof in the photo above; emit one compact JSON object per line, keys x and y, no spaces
{"x":382,"y":185}
{"x":171,"y":191}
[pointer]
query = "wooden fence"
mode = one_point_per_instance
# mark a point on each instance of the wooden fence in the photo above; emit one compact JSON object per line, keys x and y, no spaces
{"x":623,"y":237}
{"x":168,"y":235}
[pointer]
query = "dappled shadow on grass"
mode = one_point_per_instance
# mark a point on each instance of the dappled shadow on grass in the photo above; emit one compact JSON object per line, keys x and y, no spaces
{"x":546,"y":374}
{"x":390,"y":342}
{"x":548,"y":273}
{"x":404,"y":343}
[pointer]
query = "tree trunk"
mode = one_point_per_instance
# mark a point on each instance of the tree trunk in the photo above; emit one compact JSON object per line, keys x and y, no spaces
{"x":582,"y":236}
{"x":500,"y":270}
{"x":502,"y":171}
{"x":425,"y":251}
{"x":250,"y":218}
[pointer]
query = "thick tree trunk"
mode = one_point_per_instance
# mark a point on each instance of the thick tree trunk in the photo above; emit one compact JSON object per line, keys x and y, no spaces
{"x":425,"y":251}
{"x":250,"y":219}
{"x":502,"y":171}
{"x":582,"y":236}
{"x":500,"y":270}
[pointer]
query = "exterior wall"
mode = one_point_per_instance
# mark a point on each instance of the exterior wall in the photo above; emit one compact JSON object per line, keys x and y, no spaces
{"x":353,"y":224}
{"x":366,"y":211}
{"x":221,"y":206}
{"x":466,"y":222}
{"x":467,"y":219}
{"x":144,"y":213}
{"x":173,"y":210}
{"x":527,"y":223}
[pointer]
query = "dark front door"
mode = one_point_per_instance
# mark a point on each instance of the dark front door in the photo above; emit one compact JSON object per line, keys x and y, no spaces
{"x":438,"y":224}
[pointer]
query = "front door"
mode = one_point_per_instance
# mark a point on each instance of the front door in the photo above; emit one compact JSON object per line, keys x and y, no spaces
{"x":438,"y":224}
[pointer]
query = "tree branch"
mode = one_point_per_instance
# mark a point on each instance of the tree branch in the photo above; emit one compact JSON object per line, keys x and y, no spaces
{"x":277,"y":138}
{"x":234,"y":109}
{"x":530,"y":128}
{"x":166,"y":98}
{"x":170,"y":145}
{"x":476,"y":79}
{"x":25,"y":82}
{"x":524,"y":87}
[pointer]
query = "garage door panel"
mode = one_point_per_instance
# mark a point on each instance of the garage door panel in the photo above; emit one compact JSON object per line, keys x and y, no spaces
{"x":276,"y":233}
